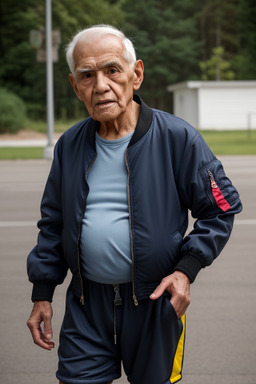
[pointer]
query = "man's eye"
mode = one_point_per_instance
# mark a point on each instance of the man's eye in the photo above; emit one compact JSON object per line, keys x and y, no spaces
{"x":85,"y":75}
{"x":112,"y":71}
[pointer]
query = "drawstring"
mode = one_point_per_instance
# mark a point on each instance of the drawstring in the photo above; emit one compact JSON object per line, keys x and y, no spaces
{"x":117,"y":302}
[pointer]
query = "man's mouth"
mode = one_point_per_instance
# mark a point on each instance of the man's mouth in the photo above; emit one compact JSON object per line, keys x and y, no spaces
{"x":104,"y":102}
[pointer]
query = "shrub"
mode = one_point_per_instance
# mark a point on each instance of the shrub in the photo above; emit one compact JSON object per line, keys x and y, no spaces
{"x":12,"y":112}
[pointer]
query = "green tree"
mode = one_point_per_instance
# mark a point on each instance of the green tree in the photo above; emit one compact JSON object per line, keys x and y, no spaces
{"x":12,"y":112}
{"x":218,"y":27}
{"x":171,"y":37}
{"x":69,"y":17}
{"x":245,"y":60}
{"x":19,"y":70}
{"x":216,"y":68}
{"x":167,"y":40}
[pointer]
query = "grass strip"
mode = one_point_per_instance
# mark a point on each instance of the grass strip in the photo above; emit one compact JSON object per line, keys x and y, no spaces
{"x":220,"y":142}
{"x":21,"y":153}
{"x":231,"y":142}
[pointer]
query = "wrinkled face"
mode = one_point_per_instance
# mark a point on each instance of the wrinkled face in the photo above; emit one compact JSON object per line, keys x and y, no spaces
{"x":103,"y":80}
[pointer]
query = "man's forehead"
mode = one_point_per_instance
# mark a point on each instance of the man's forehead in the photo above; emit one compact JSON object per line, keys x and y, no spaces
{"x":98,"y":46}
{"x":100,"y":53}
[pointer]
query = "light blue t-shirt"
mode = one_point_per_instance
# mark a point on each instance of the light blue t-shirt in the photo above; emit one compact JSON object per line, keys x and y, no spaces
{"x":105,"y":238}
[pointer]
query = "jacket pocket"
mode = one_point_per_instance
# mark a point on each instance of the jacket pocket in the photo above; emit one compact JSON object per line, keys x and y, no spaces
{"x":219,"y":188}
{"x":169,"y":305}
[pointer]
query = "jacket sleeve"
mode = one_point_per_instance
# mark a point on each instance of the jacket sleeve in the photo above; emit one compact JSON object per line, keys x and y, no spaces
{"x":45,"y":264}
{"x":206,"y":190}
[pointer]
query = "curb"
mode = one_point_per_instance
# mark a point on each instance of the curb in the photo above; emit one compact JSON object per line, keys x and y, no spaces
{"x":23,"y":143}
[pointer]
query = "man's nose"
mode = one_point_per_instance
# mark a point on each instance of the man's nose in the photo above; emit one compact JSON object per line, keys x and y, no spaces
{"x":101,"y":83}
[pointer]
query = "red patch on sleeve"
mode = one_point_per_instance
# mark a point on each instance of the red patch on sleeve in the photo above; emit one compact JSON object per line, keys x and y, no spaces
{"x":218,"y":196}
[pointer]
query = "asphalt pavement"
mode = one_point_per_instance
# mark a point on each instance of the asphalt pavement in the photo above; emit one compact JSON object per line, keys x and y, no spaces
{"x":221,"y":326}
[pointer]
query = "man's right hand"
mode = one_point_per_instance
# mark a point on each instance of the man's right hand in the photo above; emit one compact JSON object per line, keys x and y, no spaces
{"x":39,"y":324}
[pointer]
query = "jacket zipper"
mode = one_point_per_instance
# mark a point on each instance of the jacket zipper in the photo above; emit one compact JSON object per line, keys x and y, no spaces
{"x":79,"y":267}
{"x":213,"y":185}
{"x":79,"y":237}
{"x":130,"y":228}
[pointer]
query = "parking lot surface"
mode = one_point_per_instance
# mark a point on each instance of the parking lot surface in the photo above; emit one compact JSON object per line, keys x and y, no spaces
{"x":221,"y":326}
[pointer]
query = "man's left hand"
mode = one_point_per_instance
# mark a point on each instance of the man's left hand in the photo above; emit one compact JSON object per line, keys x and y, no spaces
{"x":178,"y":285}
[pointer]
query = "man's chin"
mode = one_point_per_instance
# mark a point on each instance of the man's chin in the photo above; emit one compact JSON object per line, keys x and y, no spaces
{"x":106,"y":115}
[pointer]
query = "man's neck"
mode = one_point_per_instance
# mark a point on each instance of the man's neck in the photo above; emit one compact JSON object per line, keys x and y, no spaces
{"x":117,"y":129}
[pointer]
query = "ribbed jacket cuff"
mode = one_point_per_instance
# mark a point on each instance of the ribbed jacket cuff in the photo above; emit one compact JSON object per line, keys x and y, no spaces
{"x":43,"y":292}
{"x":189,"y":265}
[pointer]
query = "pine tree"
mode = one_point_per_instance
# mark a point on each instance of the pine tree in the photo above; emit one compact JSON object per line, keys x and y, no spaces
{"x":166,"y":39}
{"x":246,"y":57}
{"x":219,"y":36}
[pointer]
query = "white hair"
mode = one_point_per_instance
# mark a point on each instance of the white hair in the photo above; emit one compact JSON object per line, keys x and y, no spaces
{"x":98,"y":31}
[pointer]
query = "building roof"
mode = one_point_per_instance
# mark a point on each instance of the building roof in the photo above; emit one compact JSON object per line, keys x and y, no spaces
{"x":212,"y":84}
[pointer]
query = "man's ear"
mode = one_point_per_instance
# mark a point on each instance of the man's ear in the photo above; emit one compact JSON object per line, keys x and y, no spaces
{"x":138,"y":72}
{"x":74,"y":85}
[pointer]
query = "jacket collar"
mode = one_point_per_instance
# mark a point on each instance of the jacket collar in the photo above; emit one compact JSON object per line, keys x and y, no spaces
{"x":144,"y":122}
{"x":143,"y":125}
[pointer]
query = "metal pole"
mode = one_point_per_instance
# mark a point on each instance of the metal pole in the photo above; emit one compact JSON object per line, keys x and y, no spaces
{"x":48,"y":151}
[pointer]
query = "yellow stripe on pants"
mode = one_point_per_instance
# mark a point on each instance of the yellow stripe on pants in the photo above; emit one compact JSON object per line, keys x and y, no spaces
{"x":178,"y":358}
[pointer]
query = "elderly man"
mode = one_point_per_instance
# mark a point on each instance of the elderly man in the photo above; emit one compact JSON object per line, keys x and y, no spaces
{"x":115,"y":212}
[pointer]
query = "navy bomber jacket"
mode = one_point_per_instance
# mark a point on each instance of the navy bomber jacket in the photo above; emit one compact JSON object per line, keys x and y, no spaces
{"x":170,"y":170}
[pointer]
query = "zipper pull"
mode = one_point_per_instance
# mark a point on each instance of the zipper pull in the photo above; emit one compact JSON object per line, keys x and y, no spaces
{"x":82,"y":299}
{"x":220,"y":200}
{"x":213,"y":183}
{"x":118,"y":300}
{"x":135,"y":300}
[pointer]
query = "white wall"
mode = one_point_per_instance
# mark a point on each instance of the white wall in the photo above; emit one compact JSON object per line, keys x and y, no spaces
{"x":186,"y":105}
{"x":227,"y":108}
{"x":216,"y":104}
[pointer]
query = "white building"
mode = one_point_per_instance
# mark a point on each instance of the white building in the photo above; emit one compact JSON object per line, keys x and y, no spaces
{"x":216,"y":104}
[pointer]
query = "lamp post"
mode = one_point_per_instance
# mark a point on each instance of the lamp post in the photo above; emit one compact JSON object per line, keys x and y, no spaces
{"x":48,"y":150}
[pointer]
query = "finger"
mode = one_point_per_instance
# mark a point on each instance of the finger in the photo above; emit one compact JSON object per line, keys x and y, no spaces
{"x":38,"y":336}
{"x":180,"y":305}
{"x":176,"y":308}
{"x":44,"y":343}
{"x":158,"y":291}
{"x":46,"y":328}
